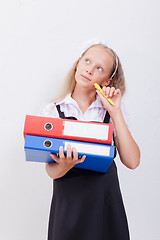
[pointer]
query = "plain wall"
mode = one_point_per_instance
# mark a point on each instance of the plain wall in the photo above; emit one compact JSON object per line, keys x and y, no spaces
{"x":39,"y":42}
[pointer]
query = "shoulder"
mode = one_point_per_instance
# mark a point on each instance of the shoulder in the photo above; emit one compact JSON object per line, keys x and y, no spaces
{"x":48,"y":110}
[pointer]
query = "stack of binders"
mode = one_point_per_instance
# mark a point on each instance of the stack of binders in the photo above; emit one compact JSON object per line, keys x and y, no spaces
{"x":44,"y":135}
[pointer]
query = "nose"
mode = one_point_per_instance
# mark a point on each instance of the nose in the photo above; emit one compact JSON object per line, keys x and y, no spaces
{"x":89,"y":70}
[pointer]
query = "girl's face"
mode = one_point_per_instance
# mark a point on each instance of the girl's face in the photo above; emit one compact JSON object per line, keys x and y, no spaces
{"x":95,"y":66}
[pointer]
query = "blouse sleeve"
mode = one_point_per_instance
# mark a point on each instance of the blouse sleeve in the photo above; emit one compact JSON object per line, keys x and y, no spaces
{"x":48,"y":110}
{"x":126,"y":118}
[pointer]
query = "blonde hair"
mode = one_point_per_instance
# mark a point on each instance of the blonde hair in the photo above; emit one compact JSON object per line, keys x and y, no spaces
{"x":118,"y":80}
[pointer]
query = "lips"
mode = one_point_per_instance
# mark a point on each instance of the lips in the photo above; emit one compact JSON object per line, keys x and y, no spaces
{"x":85,"y":77}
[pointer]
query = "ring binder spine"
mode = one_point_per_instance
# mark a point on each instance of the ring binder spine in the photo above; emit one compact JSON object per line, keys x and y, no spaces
{"x":47,"y":143}
{"x":48,"y":126}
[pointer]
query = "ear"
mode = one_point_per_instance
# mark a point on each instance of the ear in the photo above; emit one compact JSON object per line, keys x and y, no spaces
{"x":107,"y":82}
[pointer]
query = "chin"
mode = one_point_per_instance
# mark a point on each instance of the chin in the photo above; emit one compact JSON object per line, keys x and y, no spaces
{"x":85,"y":83}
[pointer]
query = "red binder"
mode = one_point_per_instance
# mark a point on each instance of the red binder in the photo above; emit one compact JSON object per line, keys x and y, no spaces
{"x":68,"y":129}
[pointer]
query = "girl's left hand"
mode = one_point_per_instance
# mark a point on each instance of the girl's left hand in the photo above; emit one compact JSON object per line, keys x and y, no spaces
{"x":115,"y":95}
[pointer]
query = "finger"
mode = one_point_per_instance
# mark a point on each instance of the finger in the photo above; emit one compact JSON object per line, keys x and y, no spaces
{"x":54,"y":157}
{"x":107,"y":91}
{"x":82,"y":159}
{"x":101,"y":97}
{"x":69,"y":151}
{"x":117,"y":92}
{"x":75,"y":153}
{"x":112,"y":90}
{"x":61,"y":153}
{"x":104,"y":90}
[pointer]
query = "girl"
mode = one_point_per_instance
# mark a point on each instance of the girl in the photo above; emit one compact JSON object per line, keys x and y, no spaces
{"x":88,"y":205}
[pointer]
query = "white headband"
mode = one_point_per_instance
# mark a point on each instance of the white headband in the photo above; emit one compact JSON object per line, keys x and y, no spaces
{"x":115,"y":68}
{"x":89,"y":43}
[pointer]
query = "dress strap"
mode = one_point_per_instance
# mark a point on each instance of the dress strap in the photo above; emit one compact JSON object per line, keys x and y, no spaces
{"x":61,"y":114}
{"x":107,"y":117}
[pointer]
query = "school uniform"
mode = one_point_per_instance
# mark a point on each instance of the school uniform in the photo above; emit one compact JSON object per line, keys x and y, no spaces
{"x":86,"y":205}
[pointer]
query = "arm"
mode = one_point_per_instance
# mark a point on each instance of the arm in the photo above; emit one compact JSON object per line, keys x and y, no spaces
{"x":127,"y":148}
{"x":63,"y":163}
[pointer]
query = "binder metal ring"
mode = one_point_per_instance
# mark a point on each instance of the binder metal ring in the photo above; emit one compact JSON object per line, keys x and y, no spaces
{"x":47,"y":143}
{"x":48,"y":126}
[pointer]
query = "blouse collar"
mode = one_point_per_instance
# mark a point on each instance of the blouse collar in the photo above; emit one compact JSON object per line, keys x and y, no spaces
{"x":69,"y":100}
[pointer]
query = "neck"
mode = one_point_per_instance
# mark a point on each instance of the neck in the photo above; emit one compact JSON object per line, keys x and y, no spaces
{"x":83,"y":98}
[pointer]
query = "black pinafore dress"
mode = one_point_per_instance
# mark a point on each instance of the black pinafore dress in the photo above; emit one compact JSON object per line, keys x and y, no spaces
{"x":87,"y":205}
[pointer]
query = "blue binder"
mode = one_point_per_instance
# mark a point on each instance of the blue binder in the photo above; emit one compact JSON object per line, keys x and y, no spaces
{"x":98,"y":156}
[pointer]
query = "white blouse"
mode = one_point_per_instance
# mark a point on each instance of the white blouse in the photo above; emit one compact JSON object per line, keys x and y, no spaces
{"x":95,"y":112}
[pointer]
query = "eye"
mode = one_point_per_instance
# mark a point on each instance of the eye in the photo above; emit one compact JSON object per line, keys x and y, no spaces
{"x":100,"y":69}
{"x":87,"y":61}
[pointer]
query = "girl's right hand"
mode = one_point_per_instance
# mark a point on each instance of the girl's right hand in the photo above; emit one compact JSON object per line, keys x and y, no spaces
{"x":68,"y":161}
{"x":115,"y":95}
